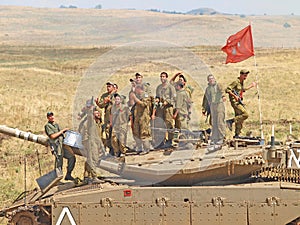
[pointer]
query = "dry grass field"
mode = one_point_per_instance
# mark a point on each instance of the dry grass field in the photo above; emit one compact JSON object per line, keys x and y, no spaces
{"x":39,"y":74}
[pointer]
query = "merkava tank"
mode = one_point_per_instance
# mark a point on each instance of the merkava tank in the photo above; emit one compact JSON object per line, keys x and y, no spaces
{"x":182,"y":184}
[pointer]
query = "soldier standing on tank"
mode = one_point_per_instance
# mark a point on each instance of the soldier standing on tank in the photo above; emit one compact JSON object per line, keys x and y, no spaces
{"x":56,"y":138}
{"x":105,"y":102}
{"x":213,"y":104}
{"x":182,"y":102}
{"x":89,"y":130}
{"x":235,"y":91}
{"x":188,"y":88}
{"x":140,"y":119}
{"x":163,"y":110}
{"x":146,"y":86}
{"x":119,"y":118}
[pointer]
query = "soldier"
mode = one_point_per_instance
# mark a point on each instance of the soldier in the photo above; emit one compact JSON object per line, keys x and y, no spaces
{"x":213,"y":104}
{"x":105,"y":102}
{"x":56,"y":138}
{"x":131,"y":93}
{"x":119,"y":118}
{"x":146,"y":86}
{"x":182,"y":102}
{"x":235,"y":91}
{"x":188,"y":88}
{"x":98,"y":121}
{"x":89,"y":130}
{"x":163,"y":109}
{"x":140,"y":119}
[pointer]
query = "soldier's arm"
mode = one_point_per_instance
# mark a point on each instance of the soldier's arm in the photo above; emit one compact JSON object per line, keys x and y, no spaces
{"x":138,"y":101}
{"x":229,"y":90}
{"x":110,"y":119}
{"x":170,"y":99}
{"x":157,"y":92}
{"x":172,"y":80}
{"x":55,"y":135}
{"x":204,"y":103}
{"x":221,"y":90}
{"x":131,"y":99}
{"x":103,"y":101}
{"x":253,"y":84}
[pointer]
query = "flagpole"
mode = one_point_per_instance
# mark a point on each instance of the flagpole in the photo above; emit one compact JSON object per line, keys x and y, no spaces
{"x":258,"y":94}
{"x":258,"y":97}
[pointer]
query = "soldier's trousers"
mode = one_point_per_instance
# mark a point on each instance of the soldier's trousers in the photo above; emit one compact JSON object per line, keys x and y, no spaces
{"x":166,"y":113}
{"x":142,"y":133}
{"x":218,"y":121}
{"x":118,"y":141}
{"x":92,"y":157}
{"x":68,"y":154}
{"x":181,"y":122}
{"x":240,"y":116}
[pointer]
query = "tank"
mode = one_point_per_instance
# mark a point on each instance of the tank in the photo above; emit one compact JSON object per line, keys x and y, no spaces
{"x":244,"y":182}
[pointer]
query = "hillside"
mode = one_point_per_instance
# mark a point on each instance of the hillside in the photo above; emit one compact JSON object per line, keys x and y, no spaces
{"x":92,"y":27}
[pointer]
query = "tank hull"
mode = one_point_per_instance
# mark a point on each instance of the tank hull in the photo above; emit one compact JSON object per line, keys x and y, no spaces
{"x":275,"y":203}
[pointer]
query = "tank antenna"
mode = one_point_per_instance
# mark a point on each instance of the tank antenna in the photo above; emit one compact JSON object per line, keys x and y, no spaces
{"x":25,"y":178}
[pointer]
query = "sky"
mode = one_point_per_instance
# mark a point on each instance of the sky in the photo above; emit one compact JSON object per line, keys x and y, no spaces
{"x":248,"y":7}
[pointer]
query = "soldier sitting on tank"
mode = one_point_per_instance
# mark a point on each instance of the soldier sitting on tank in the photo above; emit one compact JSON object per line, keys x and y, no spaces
{"x":119,"y":118}
{"x":56,"y":138}
{"x":140,"y":119}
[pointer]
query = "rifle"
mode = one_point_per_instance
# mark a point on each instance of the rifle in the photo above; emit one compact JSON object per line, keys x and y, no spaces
{"x":238,"y":95}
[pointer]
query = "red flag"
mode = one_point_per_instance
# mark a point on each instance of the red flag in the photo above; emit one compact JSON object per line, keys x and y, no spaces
{"x":239,"y":46}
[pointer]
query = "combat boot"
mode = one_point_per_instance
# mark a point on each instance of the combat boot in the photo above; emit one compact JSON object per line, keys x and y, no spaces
{"x":69,"y":177}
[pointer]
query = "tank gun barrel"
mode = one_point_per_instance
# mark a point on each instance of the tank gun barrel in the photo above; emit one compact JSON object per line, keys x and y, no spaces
{"x":14,"y":132}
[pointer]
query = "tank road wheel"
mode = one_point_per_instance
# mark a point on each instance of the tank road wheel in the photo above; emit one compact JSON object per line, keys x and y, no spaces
{"x":24,"y":218}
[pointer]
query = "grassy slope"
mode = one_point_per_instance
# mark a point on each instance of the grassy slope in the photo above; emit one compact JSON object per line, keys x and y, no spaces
{"x":116,"y":27}
{"x":29,"y":72}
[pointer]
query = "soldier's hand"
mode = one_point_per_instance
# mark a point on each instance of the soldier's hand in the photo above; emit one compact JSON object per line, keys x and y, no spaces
{"x":97,"y":101}
{"x":224,"y":98}
{"x":106,"y":100}
{"x":64,"y":130}
{"x":237,"y":98}
{"x":254,"y":84}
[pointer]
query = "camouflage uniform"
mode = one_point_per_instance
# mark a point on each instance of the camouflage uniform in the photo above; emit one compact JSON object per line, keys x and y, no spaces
{"x":239,"y":109}
{"x":141,"y":123}
{"x":182,"y":102}
{"x":89,"y":131}
{"x":106,"y":129}
{"x":164,"y":109}
{"x":62,"y":151}
{"x":120,"y":117}
{"x":212,"y":101}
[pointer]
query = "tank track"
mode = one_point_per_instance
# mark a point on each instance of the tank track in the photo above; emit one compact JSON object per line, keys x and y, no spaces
{"x":278,"y":173}
{"x":29,"y":215}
